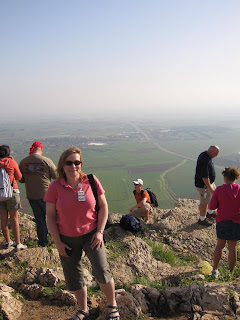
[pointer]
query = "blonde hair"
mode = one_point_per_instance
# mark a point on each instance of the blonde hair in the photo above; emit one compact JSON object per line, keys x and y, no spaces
{"x":231,"y":174}
{"x":62,"y":159}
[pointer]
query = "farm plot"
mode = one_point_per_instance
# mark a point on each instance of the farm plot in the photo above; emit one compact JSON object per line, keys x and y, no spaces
{"x":226,"y":138}
{"x":181,"y":180}
{"x":118,"y":188}
{"x":121,"y":163}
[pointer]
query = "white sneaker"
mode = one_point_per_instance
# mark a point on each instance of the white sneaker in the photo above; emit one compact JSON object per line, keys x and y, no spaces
{"x":20,"y":246}
{"x":9,"y":244}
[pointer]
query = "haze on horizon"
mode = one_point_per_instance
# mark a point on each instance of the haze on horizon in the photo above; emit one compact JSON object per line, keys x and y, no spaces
{"x":119,"y":57}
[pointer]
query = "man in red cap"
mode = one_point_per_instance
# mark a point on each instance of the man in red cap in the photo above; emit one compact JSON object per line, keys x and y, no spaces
{"x":36,"y":145}
{"x":37,"y":172}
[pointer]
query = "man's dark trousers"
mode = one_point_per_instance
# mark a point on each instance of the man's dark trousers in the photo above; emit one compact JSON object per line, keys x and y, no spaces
{"x":39,"y":211}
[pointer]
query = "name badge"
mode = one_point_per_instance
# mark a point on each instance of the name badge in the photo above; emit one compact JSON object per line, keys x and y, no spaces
{"x":81,"y":198}
{"x":81,"y":194}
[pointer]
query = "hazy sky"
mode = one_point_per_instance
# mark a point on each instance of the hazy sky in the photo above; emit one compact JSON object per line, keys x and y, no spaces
{"x":76,"y":56}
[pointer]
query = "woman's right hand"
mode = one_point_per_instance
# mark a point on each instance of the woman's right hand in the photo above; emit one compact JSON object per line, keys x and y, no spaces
{"x":61,"y":247}
{"x":53,"y":229}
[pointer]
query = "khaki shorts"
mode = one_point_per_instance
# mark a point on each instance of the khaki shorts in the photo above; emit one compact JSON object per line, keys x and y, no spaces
{"x":72,"y":266}
{"x":205,"y":194}
{"x":12,"y":204}
{"x":141,"y":212}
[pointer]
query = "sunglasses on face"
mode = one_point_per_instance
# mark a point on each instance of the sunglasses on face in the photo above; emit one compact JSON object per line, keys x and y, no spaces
{"x":69,"y":163}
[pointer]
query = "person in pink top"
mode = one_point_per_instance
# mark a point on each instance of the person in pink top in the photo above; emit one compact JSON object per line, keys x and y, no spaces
{"x":226,"y":199}
{"x":13,"y":204}
{"x":75,"y":226}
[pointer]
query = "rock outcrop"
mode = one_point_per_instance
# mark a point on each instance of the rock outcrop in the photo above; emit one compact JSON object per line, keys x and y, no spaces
{"x":9,"y":305}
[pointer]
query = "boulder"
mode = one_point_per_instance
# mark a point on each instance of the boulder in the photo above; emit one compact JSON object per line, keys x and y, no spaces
{"x":10,"y":307}
{"x":129,"y":307}
{"x":38,"y":257}
{"x":32,"y":291}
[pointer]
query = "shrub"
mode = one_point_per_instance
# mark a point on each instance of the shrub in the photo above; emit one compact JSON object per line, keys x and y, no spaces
{"x":162,"y":253}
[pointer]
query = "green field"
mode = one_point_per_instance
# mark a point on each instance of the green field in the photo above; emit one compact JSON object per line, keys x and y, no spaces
{"x":121,"y":164}
{"x":126,"y":155}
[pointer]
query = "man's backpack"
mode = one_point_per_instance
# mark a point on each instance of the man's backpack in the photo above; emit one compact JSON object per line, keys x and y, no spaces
{"x":92,"y":182}
{"x":130,"y":223}
{"x":6,"y":189}
{"x":153,"y":197}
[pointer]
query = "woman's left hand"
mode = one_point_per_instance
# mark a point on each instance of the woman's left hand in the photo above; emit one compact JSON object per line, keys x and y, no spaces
{"x":97,"y":240}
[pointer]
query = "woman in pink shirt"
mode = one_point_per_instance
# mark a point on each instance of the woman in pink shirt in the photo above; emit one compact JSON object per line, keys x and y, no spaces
{"x":75,"y":226}
{"x":226,"y":199}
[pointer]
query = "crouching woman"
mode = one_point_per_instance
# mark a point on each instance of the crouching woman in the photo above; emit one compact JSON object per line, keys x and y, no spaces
{"x":75,"y":226}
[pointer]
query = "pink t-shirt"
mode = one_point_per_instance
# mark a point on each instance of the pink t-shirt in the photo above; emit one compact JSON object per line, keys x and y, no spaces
{"x":74,"y":218}
{"x":226,"y":199}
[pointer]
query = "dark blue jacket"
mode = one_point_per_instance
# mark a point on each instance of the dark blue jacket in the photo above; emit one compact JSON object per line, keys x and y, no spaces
{"x":204,"y":169}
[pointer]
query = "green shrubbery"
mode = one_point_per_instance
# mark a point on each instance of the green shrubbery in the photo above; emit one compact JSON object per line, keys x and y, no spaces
{"x":2,"y":315}
{"x":163,"y":253}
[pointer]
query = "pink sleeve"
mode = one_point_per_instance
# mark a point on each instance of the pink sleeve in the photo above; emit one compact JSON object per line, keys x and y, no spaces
{"x":51,"y":193}
{"x":214,"y":201}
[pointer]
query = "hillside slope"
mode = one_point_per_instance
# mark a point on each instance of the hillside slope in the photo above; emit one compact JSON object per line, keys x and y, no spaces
{"x":156,"y":273}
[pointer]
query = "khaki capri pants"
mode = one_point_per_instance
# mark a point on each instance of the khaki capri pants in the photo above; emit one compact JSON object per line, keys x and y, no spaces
{"x":72,"y":266}
{"x":142,"y":211}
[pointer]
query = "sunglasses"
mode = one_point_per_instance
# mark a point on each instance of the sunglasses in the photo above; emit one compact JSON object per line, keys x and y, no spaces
{"x":69,"y":163}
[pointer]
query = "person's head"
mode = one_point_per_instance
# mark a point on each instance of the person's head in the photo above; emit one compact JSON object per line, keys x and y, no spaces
{"x":231,"y":174}
{"x":4,"y":151}
{"x":213,"y":151}
{"x":36,"y":147}
{"x":70,"y":162}
{"x":138,"y":185}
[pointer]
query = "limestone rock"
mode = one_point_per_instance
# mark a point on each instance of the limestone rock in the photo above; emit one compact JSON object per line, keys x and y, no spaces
{"x":33,"y":291}
{"x":214,"y":301}
{"x":148,"y":298}
{"x":138,"y":261}
{"x":44,"y":276}
{"x":30,"y":275}
{"x":64,"y":297}
{"x":37,"y":257}
{"x":89,"y":279}
{"x":129,"y":307}
{"x":48,"y":278}
{"x":10,"y":306}
{"x":138,"y":294}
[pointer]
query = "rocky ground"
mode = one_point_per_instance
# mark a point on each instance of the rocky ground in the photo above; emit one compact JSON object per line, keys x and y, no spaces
{"x":148,"y":287}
